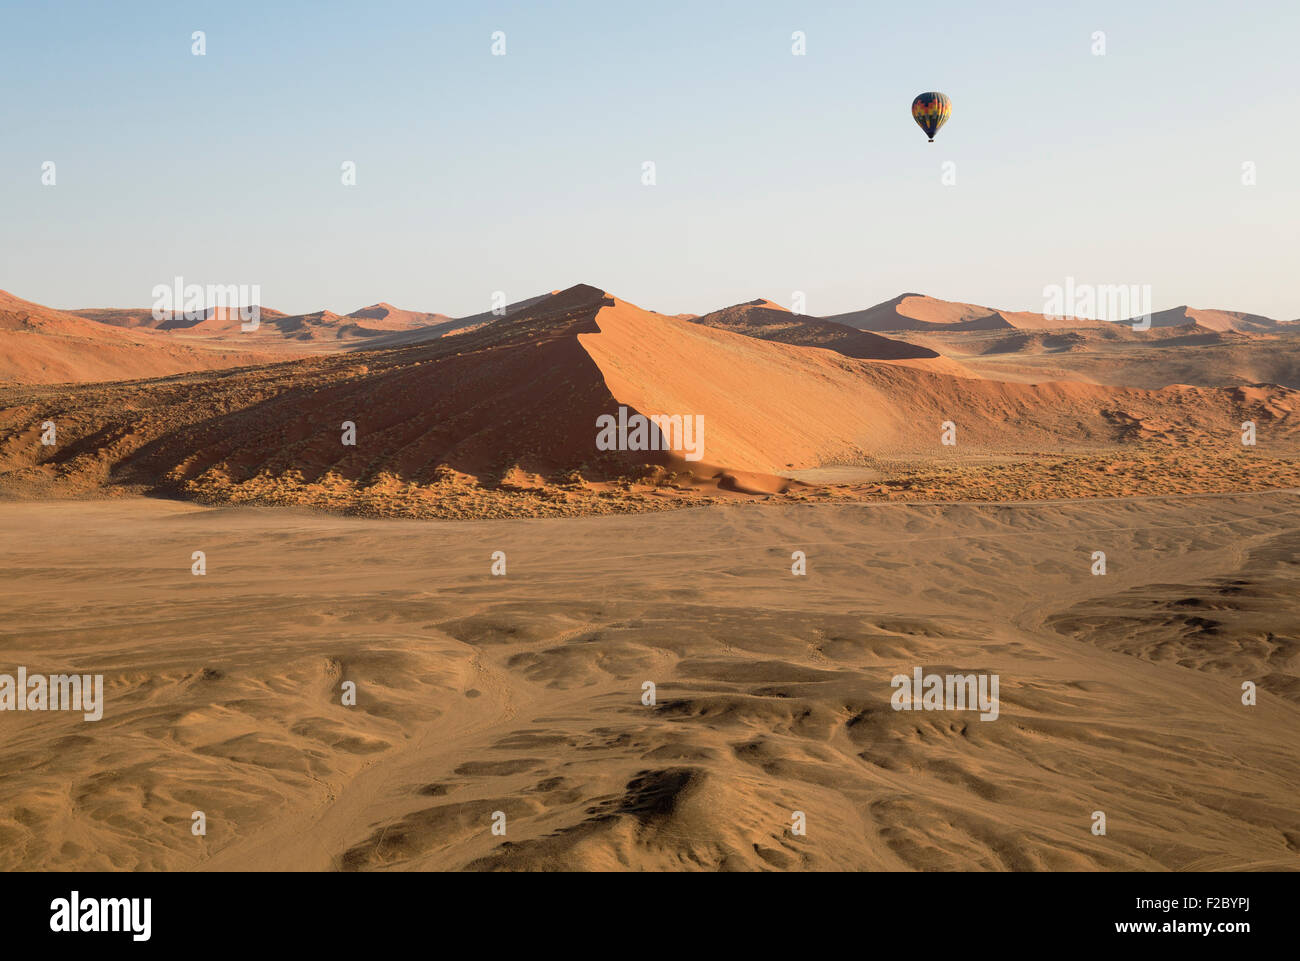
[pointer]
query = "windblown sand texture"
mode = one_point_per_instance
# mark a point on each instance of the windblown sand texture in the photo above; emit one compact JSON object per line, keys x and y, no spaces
{"x":522,"y":693}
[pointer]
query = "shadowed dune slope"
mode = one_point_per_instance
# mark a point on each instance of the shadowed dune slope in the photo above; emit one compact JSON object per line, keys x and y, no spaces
{"x":519,"y":395}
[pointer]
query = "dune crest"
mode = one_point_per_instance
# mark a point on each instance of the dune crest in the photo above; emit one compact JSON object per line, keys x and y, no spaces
{"x":504,"y":416}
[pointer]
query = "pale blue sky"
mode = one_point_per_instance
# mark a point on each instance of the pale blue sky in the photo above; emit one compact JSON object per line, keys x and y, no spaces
{"x":776,"y":173}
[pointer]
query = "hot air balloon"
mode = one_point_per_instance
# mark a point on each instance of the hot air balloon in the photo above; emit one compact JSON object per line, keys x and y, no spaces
{"x":931,"y":111}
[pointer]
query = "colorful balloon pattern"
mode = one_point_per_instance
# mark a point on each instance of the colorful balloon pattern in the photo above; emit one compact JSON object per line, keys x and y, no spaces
{"x":931,"y":111}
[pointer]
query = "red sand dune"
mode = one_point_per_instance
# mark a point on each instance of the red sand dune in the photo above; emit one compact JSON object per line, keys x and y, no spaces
{"x":1216,"y":320}
{"x":287,"y":335}
{"x":770,"y":321}
{"x":921,"y":313}
{"x":386,"y":317}
{"x":525,"y":396}
{"x":218,"y":317}
{"x":770,"y":406}
{"x":434,"y":331}
{"x":375,"y":320}
{"x":41,"y":345}
{"x":320,"y":325}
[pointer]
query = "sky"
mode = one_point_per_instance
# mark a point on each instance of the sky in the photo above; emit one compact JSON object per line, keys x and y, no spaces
{"x":774,"y":173}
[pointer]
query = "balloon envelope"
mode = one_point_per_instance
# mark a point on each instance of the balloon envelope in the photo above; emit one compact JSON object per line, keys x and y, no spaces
{"x":931,"y":111}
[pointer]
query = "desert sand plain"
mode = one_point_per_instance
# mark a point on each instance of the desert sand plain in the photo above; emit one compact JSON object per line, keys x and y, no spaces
{"x":522,"y":693}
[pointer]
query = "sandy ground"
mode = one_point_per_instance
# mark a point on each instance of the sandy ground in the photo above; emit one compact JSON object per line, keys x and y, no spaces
{"x":522,"y":693}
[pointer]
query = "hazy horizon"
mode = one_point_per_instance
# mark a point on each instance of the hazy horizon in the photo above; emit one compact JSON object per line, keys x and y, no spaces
{"x":522,"y":173}
{"x":346,"y":310}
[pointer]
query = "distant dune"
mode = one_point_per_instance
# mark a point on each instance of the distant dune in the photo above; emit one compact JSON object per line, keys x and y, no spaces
{"x":327,"y":326}
{"x":1218,"y":320}
{"x":94,"y":344}
{"x":1117,"y":355}
{"x":40,"y":345}
{"x":922,"y":313}
{"x":954,"y":338}
{"x":424,"y":334}
{"x":217,"y":322}
{"x":215,"y":318}
{"x":769,"y":321}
